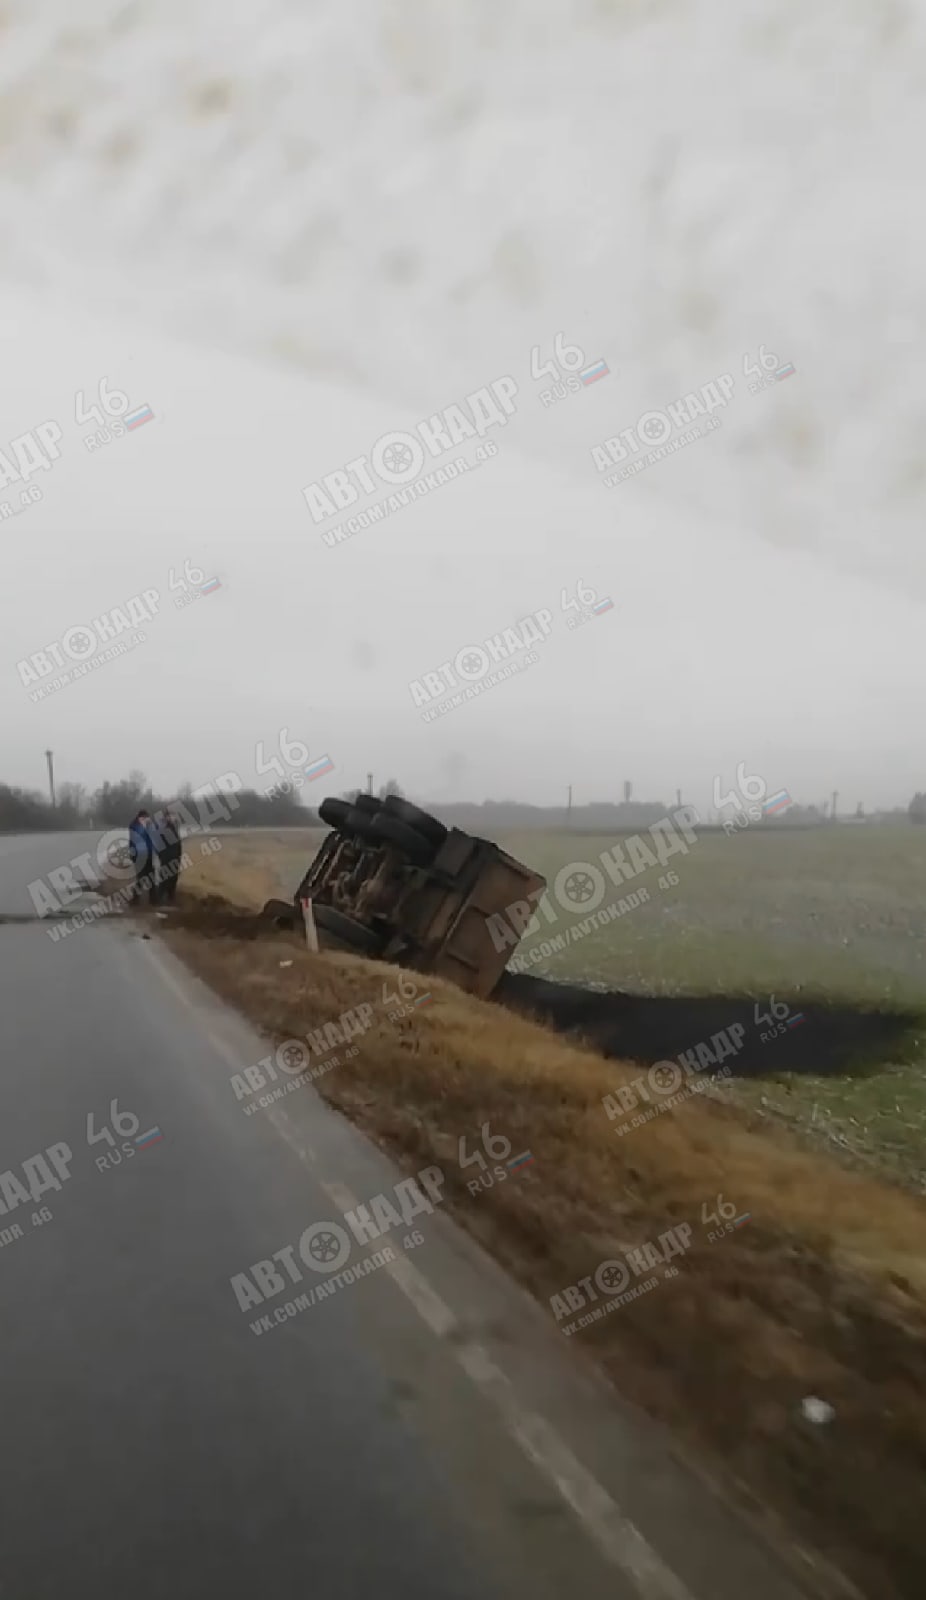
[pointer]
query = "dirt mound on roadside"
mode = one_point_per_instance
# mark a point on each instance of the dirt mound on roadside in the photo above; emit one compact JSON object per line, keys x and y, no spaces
{"x":214,"y":917}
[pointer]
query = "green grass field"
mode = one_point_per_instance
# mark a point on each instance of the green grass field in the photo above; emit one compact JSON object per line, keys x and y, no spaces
{"x":835,"y":914}
{"x":838,"y":911}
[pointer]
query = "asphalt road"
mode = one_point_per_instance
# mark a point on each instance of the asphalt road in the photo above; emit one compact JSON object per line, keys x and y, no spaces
{"x":423,"y":1429}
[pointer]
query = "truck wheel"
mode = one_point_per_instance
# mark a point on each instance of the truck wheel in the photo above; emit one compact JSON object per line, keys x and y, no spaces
{"x":348,"y":930}
{"x":334,"y":813}
{"x":387,"y":829}
{"x":360,"y":823}
{"x":414,"y":817}
{"x":279,"y":912}
{"x":368,"y":803}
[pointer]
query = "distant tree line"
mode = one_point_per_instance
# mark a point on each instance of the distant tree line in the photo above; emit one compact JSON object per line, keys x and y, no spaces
{"x":508,"y":816}
{"x":113,"y":805}
{"x":500,"y":816}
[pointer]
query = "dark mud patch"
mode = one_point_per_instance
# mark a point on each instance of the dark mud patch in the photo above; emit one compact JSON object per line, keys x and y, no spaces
{"x":216,"y":918}
{"x":21,"y":918}
{"x":825,"y":1039}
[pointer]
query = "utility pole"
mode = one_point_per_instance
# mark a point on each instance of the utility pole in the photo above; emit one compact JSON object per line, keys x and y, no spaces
{"x":50,"y":758}
{"x":678,"y":798}
{"x":369,"y":783}
{"x":569,"y":806}
{"x":835,"y":798}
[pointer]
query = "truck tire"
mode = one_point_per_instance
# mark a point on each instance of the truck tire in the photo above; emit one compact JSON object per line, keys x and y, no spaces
{"x":387,"y":829}
{"x":360,"y":824}
{"x":368,"y":803}
{"x":280,"y":913}
{"x":356,"y":935}
{"x":334,"y":813}
{"x":414,"y":817}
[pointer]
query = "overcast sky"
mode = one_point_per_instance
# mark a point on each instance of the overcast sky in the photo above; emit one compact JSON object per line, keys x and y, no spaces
{"x":295,"y":233}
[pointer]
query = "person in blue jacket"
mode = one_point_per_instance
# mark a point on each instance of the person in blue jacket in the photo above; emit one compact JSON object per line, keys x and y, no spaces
{"x":141,"y":850}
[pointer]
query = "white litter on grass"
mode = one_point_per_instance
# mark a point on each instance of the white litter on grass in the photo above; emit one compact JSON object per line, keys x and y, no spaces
{"x":817,"y":1410}
{"x":285,"y":963}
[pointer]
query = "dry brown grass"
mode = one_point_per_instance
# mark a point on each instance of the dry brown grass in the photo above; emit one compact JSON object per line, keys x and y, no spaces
{"x":823,"y":1293}
{"x":251,"y":868}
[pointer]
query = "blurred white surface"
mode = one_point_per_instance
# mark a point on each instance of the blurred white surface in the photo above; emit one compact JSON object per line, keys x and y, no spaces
{"x":392,"y":203}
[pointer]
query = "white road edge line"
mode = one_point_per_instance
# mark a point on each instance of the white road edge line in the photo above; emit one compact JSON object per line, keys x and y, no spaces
{"x":619,"y":1540}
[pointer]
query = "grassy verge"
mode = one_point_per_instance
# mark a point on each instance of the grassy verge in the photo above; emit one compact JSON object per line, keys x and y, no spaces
{"x":878,"y":1120}
{"x":822,"y":1292}
{"x":832,"y":915}
{"x":250,"y":868}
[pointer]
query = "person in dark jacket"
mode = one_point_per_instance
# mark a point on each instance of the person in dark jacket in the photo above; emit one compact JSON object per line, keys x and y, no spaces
{"x":169,"y":850}
{"x":141,"y":850}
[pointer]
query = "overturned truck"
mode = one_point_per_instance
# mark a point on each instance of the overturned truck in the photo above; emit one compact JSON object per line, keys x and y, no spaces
{"x":392,"y":882}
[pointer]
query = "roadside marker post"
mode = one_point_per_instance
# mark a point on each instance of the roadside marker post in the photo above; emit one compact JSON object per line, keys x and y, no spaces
{"x":311,"y":932}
